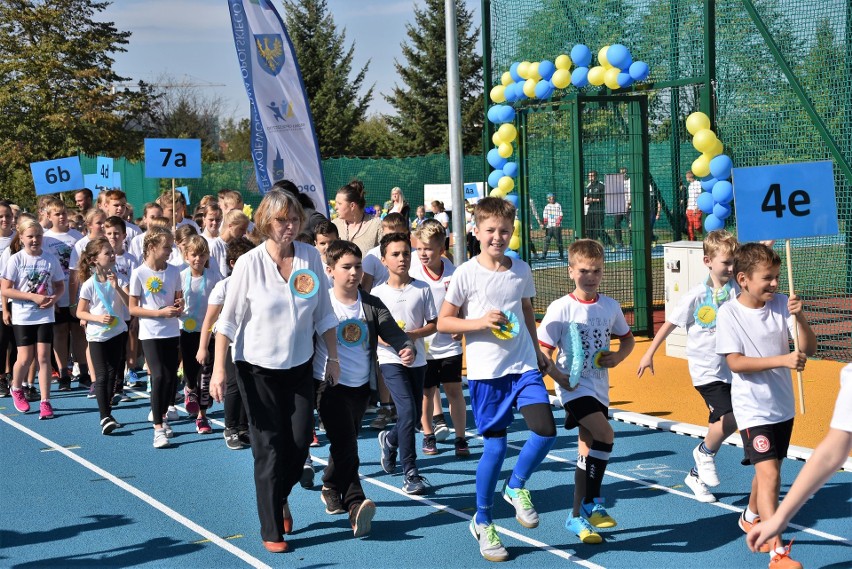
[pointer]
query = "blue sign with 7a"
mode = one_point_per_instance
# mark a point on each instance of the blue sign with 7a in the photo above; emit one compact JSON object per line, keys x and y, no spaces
{"x":172,"y":158}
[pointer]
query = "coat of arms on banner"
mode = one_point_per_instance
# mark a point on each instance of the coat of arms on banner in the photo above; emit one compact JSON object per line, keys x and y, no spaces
{"x":270,"y":52}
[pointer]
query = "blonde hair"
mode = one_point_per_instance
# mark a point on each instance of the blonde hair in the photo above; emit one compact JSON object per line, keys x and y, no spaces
{"x":92,"y":214}
{"x":587,"y":249}
{"x":276,"y":202}
{"x":55,"y":205}
{"x":196,"y":244}
{"x":26,"y":222}
{"x":159,"y":222}
{"x":155,"y":237}
{"x":429,"y":230}
{"x":719,"y":241}
{"x":184,"y":232}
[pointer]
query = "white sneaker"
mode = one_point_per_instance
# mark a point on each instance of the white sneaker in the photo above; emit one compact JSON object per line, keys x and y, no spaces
{"x":490,"y":546}
{"x":702,"y":494}
{"x":442,"y":432}
{"x":168,"y":429}
{"x":150,"y":416}
{"x":705,"y":464}
{"x":172,"y":414}
{"x":160,"y":439}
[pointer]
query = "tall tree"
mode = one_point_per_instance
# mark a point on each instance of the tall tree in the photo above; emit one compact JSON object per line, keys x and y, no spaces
{"x":421,"y":124}
{"x":326,"y":64}
{"x":57,"y":88}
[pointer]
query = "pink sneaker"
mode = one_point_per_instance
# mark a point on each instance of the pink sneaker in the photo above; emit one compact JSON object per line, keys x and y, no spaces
{"x":46,"y":410}
{"x":190,"y":402}
{"x":202,"y":426}
{"x":20,"y":400}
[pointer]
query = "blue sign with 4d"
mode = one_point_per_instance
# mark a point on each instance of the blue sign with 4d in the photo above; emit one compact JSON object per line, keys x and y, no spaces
{"x":785,"y":201}
{"x":54,"y":176}
{"x":172,"y":158}
{"x":104,"y":171}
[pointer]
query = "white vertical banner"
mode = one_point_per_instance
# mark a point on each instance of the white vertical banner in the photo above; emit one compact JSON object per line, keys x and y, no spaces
{"x":283,"y":142}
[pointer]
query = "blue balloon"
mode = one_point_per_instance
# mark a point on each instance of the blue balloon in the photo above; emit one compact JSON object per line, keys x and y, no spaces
{"x":722,"y":210}
{"x":618,"y":56}
{"x":705,"y":201}
{"x":723,"y":192}
{"x":512,"y":199}
{"x":513,"y":71}
{"x":707,"y":183}
{"x":624,"y":80}
{"x":509,"y":93}
{"x":580,"y":77}
{"x":519,"y":92}
{"x":544,"y":89}
{"x":546,"y":69}
{"x":581,"y":55}
{"x":712,"y":223}
{"x":494,"y":114}
{"x":494,"y":178}
{"x":720,"y":167}
{"x":507,"y":113}
{"x":494,"y":159}
{"x":512,"y":254}
{"x":639,"y":70}
{"x":510,"y":169}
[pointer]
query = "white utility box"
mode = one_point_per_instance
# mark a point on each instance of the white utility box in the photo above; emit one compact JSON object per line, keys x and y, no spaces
{"x":684,"y":269}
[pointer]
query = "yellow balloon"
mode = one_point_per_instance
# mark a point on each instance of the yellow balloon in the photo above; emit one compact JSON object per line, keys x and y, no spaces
{"x":524,"y":69}
{"x":506,"y":79}
{"x":561,"y":78}
{"x":505,"y":150}
{"x":563,"y":62}
{"x":507,"y":132}
{"x":611,"y":78}
{"x":533,"y":72}
{"x":517,"y":225}
{"x":498,"y":94}
{"x":496,"y":193}
{"x":597,"y":75}
{"x":718,"y":149}
{"x":496,"y":138}
{"x":515,"y":243}
{"x":696,"y":122}
{"x":529,"y":88}
{"x":506,"y":184}
{"x":602,"y":60}
{"x":701,"y":166}
{"x":704,"y":140}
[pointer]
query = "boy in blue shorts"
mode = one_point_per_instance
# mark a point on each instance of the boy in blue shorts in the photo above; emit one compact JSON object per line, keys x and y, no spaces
{"x":753,"y":333}
{"x":494,"y":294}
{"x":579,"y":326}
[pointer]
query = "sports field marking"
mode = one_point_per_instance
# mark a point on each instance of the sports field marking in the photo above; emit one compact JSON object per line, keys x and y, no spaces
{"x":184,"y":521}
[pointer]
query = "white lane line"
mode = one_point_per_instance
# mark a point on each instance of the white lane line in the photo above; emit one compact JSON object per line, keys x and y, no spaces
{"x":237,"y":552}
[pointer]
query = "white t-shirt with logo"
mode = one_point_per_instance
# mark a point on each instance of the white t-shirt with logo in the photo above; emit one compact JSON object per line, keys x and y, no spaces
{"x":33,"y":274}
{"x":842,"y":419}
{"x":412,"y":307}
{"x":61,"y":245}
{"x":438,"y":345}
{"x":96,"y":292}
{"x":156,"y":290}
{"x":355,"y":365}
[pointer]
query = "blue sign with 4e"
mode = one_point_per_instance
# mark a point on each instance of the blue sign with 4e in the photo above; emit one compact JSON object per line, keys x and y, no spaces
{"x":54,"y":176}
{"x":172,"y":158}
{"x":785,"y":201}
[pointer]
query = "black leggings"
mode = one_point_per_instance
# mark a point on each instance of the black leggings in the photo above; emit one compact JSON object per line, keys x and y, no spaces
{"x":7,"y":342}
{"x":235,"y":409}
{"x":108,"y":359}
{"x":162,"y":357}
{"x":194,"y":373}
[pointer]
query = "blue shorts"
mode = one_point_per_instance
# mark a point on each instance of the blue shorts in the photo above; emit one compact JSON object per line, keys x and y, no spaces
{"x":492,"y":400}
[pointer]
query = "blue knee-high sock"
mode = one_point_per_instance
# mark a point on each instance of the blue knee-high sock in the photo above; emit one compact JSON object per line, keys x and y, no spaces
{"x":487,"y":473}
{"x":532,"y":453}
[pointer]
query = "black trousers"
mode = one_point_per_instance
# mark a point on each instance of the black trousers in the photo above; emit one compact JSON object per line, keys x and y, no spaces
{"x":7,"y":342}
{"x":162,"y":357}
{"x":108,"y":359}
{"x":280,"y":407}
{"x":550,"y":234}
{"x":341,"y":409}
{"x":235,"y":411}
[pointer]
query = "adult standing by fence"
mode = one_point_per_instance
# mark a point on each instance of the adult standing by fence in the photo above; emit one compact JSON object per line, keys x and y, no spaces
{"x":276,"y":302}
{"x":552,"y":215}
{"x":398,"y":204}
{"x":594,"y":198}
{"x":353,"y":223}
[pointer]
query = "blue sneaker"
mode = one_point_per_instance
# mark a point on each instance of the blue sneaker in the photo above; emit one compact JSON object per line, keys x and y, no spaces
{"x":595,"y":512}
{"x":388,"y":459}
{"x":582,"y":529}
{"x":414,"y":484}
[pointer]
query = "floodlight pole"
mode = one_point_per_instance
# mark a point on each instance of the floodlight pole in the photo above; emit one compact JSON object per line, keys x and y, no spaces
{"x":454,"y":131}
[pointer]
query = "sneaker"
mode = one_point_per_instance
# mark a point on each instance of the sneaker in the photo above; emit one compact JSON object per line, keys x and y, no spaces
{"x":781,"y":559}
{"x":172,"y":414}
{"x":4,"y":385}
{"x":462,"y":449}
{"x":315,"y":442}
{"x":705,"y":464}
{"x":32,"y":394}
{"x":430,"y":445}
{"x":361,"y":516}
{"x":83,"y":380}
{"x":108,"y":425}
{"x":414,"y":484}
{"x":580,"y":527}
{"x":116,"y":399}
{"x":124,"y":398}
{"x":244,"y":437}
{"x":168,"y":429}
{"x":702,"y":494}
{"x":131,"y":379}
{"x":202,"y":426}
{"x":64,"y":383}
{"x":307,"y":479}
{"x":91,"y":394}
{"x":524,"y":511}
{"x":232,"y":439}
{"x":372,"y":408}
{"x":45,"y":410}
{"x":388,"y":459}
{"x":190,"y":399}
{"x":490,"y":546}
{"x":151,"y":416}
{"x":596,"y":514}
{"x":746,"y":527}
{"x":20,"y":401}
{"x":161,"y":440}
{"x":442,"y":432}
{"x":332,"y":501}
{"x":383,"y":418}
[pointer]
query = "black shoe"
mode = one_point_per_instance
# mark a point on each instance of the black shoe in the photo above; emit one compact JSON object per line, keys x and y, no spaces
{"x":244,"y":437}
{"x":4,"y":385}
{"x":307,"y":479}
{"x":83,"y":380}
{"x":332,"y":501}
{"x":414,"y":484}
{"x":232,"y":439}
{"x":64,"y":383}
{"x":108,"y":425}
{"x":32,"y":394}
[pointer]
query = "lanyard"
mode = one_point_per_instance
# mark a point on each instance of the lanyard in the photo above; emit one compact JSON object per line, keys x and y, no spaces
{"x":188,"y":296}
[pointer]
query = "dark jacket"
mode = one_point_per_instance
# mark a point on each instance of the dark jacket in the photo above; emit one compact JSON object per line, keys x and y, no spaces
{"x":381,"y":323}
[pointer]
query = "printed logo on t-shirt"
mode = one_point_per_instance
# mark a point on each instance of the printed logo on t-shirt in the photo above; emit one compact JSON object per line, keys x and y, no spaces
{"x":760,"y":443}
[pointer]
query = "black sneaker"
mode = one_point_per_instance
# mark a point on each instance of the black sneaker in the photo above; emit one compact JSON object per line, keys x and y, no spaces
{"x":232,"y":439}
{"x":244,"y":437}
{"x":64,"y":383}
{"x":361,"y":516}
{"x":414,"y":484}
{"x":332,"y":501}
{"x":388,"y":459}
{"x":4,"y":385}
{"x":461,"y":447}
{"x":32,"y":394}
{"x":83,"y":380}
{"x":307,"y":479}
{"x":108,"y":425}
{"x":430,"y":445}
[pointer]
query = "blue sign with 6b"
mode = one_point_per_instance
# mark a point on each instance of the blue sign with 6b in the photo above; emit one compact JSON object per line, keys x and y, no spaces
{"x":785,"y":201}
{"x":54,"y":176}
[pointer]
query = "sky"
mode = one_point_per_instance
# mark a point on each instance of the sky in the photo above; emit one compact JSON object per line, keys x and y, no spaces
{"x":192,"y":40}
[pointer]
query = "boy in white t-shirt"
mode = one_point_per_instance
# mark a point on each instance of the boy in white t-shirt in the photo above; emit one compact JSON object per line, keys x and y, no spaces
{"x":411,"y":305}
{"x":753,"y":334}
{"x":114,"y":231}
{"x":494,"y":293}
{"x":580,"y":325}
{"x":115,"y":203}
{"x":711,"y":377}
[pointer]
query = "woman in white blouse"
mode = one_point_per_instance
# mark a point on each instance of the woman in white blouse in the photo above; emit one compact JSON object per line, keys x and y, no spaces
{"x":277,"y":299}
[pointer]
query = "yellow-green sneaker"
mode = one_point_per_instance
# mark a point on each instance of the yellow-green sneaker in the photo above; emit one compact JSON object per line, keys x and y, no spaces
{"x":595,"y":512}
{"x":582,"y":529}
{"x":490,"y":546}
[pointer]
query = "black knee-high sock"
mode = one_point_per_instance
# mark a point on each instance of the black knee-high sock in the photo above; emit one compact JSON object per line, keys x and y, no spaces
{"x":595,"y":468}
